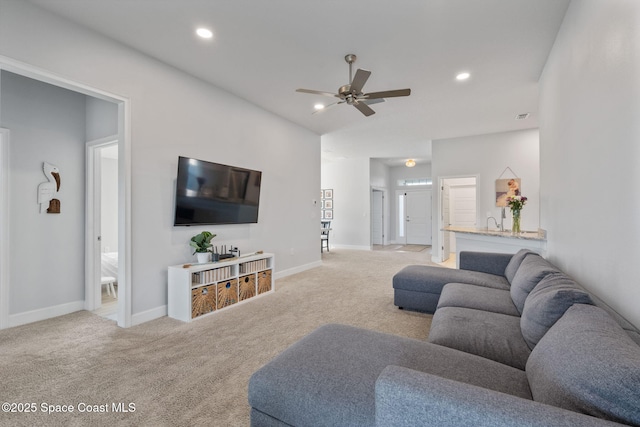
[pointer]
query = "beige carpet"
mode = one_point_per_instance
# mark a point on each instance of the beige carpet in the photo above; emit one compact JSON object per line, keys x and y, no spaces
{"x":402,"y":248}
{"x":193,"y":374}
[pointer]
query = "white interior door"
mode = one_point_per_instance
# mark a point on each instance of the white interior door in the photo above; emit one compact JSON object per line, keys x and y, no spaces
{"x":445,"y":207}
{"x":377,"y":217}
{"x":462,"y":202}
{"x":93,"y":221}
{"x":418,"y":217}
{"x":4,"y":228}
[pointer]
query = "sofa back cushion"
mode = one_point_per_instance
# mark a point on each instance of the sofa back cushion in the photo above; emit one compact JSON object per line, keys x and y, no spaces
{"x":546,"y":303}
{"x":532,"y":270}
{"x":587,"y":363}
{"x":515,"y":262}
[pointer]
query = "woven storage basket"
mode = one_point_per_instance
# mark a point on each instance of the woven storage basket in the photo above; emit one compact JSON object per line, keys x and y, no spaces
{"x":264,"y":281}
{"x":227,"y":293}
{"x":247,"y":286}
{"x":203,"y":300}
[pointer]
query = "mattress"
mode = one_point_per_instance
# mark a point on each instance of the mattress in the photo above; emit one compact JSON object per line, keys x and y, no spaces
{"x":109,"y":263}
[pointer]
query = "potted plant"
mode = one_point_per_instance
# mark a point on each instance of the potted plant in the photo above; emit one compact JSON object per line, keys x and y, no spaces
{"x":201,"y":243}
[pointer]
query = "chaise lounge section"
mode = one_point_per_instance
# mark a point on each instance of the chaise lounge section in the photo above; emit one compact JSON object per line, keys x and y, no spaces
{"x":514,"y":341}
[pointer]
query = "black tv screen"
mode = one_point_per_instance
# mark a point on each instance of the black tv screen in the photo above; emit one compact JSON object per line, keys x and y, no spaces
{"x":212,"y":193}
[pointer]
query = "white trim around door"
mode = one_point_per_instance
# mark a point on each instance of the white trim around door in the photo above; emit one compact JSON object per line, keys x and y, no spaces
{"x":124,"y":175}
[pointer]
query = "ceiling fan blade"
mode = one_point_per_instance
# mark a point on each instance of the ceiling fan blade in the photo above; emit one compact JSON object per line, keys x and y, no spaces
{"x":317,"y":92}
{"x":359,"y":80}
{"x":387,"y":94}
{"x":371,"y":101}
{"x":364,"y":108}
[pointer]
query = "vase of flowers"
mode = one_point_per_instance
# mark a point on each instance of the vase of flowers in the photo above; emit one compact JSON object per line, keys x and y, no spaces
{"x":516,"y":203}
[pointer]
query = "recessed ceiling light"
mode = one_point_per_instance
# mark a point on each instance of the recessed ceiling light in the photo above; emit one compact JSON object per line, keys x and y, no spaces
{"x":463,"y":76}
{"x":319,"y":106}
{"x":204,"y":33}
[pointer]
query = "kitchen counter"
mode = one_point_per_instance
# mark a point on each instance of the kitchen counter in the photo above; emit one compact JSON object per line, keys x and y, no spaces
{"x":526,"y":235}
{"x":493,"y":240}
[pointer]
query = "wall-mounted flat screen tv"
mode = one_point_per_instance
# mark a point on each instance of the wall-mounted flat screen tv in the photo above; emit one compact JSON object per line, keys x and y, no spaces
{"x":212,"y":193}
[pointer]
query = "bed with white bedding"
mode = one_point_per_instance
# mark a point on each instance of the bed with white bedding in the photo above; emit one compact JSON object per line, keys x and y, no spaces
{"x":109,"y":263}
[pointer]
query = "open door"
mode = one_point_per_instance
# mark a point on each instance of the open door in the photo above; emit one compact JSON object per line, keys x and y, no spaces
{"x":445,"y":210}
{"x":101,"y":224}
{"x":377,"y":217}
{"x":458,"y":207}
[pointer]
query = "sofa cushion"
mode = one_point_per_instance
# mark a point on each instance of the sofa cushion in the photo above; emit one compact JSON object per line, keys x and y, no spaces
{"x":485,"y":262}
{"x":532,"y":269}
{"x":587,"y":363}
{"x":631,"y":330}
{"x":431,"y":279}
{"x":477,"y":297}
{"x":514,"y":263}
{"x":492,"y":335}
{"x":329,"y":376}
{"x":546,"y":303}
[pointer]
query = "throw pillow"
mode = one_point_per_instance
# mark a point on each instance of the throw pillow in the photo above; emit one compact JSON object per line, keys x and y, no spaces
{"x":532,"y":269}
{"x":546,"y":303}
{"x":515,"y":262}
{"x":587,"y":363}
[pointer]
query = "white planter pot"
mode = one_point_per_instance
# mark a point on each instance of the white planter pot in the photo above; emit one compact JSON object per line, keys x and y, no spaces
{"x":203,"y":257}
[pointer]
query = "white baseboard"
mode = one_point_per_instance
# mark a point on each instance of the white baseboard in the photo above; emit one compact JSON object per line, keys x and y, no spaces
{"x":146,"y":316}
{"x":45,"y":313}
{"x":298,"y":269}
{"x":136,"y":319}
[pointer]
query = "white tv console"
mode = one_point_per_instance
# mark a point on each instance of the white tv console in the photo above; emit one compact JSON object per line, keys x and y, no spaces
{"x":198,"y":290}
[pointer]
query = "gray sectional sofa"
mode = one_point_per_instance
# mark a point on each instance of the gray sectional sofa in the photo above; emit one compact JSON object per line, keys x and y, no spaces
{"x":513,"y":341}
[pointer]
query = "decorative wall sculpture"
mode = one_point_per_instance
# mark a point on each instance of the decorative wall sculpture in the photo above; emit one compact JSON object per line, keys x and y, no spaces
{"x":47,"y":191}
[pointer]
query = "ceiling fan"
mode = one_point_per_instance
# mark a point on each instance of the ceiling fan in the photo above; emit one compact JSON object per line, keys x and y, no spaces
{"x":352,"y":93}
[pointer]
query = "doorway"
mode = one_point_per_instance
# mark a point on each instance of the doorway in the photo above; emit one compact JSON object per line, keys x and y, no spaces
{"x":415,"y":209}
{"x":124,"y":214}
{"x":377,"y":217}
{"x":102,"y":227}
{"x":4,"y":228}
{"x":458,"y":208}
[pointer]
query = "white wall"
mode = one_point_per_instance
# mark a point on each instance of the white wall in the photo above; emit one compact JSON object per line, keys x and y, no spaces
{"x":349,"y":179}
{"x":47,"y":124}
{"x":379,"y":174}
{"x":102,"y":118}
{"x":175,"y":114}
{"x":487,"y":156}
{"x":590,"y":150}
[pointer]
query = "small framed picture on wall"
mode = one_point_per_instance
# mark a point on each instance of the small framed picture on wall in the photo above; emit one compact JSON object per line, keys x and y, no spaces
{"x":328,"y":214}
{"x":328,"y":194}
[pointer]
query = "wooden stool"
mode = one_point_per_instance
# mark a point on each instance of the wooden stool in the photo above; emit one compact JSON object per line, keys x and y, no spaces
{"x":109,"y":281}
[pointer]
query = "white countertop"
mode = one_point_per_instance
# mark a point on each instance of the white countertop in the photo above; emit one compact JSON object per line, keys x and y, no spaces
{"x":525,"y":235}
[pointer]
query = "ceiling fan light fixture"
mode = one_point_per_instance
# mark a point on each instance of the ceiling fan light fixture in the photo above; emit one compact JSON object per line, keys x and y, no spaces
{"x":204,"y":33}
{"x":410,"y":163}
